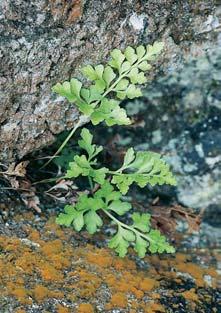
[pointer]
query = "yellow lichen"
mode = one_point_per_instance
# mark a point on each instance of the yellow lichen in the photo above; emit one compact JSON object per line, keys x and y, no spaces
{"x":85,"y":308}
{"x":40,"y":293}
{"x":20,"y":311}
{"x":55,"y":269}
{"x":118,"y":300}
{"x":190,"y":295}
{"x":62,"y":309}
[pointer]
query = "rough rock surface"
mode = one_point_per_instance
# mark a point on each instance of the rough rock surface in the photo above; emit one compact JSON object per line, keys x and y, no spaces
{"x":44,"y":268}
{"x":45,"y":41}
{"x":182,"y":115}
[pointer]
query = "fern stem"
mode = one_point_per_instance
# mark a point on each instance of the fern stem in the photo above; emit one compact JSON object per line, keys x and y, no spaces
{"x":48,"y":180}
{"x":82,"y":120}
{"x":90,"y":183}
{"x":127,"y":227}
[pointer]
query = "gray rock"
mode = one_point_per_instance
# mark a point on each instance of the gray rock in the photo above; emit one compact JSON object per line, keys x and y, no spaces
{"x":44,"y":41}
{"x":182,"y":114}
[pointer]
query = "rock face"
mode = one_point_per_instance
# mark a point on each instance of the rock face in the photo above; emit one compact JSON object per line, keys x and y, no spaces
{"x":45,"y":41}
{"x":182,"y":114}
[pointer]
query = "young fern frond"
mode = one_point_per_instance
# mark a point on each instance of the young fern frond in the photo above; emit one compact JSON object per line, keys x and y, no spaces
{"x":100,"y":102}
{"x":146,"y":167}
{"x":143,"y":167}
{"x":118,"y":79}
{"x":86,"y":213}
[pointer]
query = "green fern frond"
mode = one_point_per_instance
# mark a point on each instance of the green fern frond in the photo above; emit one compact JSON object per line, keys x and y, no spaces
{"x":118,"y":80}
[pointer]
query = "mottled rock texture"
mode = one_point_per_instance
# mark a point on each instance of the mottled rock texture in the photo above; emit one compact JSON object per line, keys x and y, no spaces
{"x":45,"y":41}
{"x":182,"y":115}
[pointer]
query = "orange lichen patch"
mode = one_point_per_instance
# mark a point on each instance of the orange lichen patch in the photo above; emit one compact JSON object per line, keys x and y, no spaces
{"x":21,"y":294}
{"x":34,"y":236}
{"x":54,"y":269}
{"x":20,"y":311}
{"x":27,"y":262}
{"x":153,"y":308}
{"x":50,"y":273}
{"x":193,"y":270}
{"x":129,"y":282}
{"x":40,"y":293}
{"x":182,"y":263}
{"x":190,"y":295}
{"x":85,"y":308}
{"x":26,"y":216}
{"x":62,"y":309}
{"x":52,"y":247}
{"x":101,"y":258}
{"x":123,"y":264}
{"x":88,"y":283}
{"x":148,"y":284}
{"x":118,"y":300}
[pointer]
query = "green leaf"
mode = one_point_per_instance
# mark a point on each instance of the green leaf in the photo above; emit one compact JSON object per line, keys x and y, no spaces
{"x":127,"y":234}
{"x":92,"y":221}
{"x":122,"y":182}
{"x":99,"y":175}
{"x":76,"y":87}
{"x":71,"y":216}
{"x":100,"y":85}
{"x":85,"y":108}
{"x":81,"y":166}
{"x":86,"y":203}
{"x":141,"y":221}
{"x":140,"y":50}
{"x":130,"y":55}
{"x":121,"y":95}
{"x":144,"y":66}
{"x":136,"y":77}
{"x":97,"y":117}
{"x":121,"y":241}
{"x":118,"y":116}
{"x":78,"y":221}
{"x":158,"y":243}
{"x":129,"y":157}
{"x":99,"y":70}
{"x":108,"y":75}
{"x":119,"y":245}
{"x":85,"y":94}
{"x":122,"y":85}
{"x":64,"y":90}
{"x":110,"y":112}
{"x":125,"y":67}
{"x":86,"y":143}
{"x":74,"y":170}
{"x":147,"y":168}
{"x":95,"y":95}
{"x":141,"y":246}
{"x":154,"y":50}
{"x":105,"y":190}
{"x":119,"y":207}
{"x":133,"y":92}
{"x":89,"y":72}
{"x":66,"y":218}
{"x":117,"y":59}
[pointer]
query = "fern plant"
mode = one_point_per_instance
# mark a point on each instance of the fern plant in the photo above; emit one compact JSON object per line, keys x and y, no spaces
{"x":100,"y":102}
{"x":109,"y":85}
